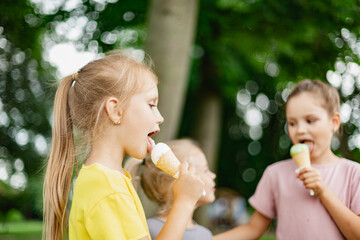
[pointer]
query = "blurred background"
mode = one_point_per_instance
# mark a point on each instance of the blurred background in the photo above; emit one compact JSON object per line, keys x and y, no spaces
{"x":225,"y":68}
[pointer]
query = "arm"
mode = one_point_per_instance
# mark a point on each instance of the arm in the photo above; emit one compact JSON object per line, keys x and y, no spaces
{"x":346,"y":220}
{"x":187,"y":190}
{"x":253,"y":230}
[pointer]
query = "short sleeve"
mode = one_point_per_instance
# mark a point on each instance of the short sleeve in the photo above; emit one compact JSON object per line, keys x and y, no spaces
{"x":263,"y":199}
{"x":115,"y":217}
{"x":355,"y":199}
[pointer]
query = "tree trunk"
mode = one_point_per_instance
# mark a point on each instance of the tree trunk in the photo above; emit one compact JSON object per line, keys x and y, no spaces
{"x":207,"y":133}
{"x":171,"y":27}
{"x":207,"y":130}
{"x":169,"y":41}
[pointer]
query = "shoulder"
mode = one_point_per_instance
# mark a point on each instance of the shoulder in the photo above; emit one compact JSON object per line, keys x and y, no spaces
{"x":349,"y":163}
{"x":101,"y":179}
{"x":197,"y":232}
{"x":95,"y":184}
{"x":281,"y":165}
{"x":349,"y":167}
{"x":278,"y":170}
{"x":155,"y":221}
{"x":155,"y":225}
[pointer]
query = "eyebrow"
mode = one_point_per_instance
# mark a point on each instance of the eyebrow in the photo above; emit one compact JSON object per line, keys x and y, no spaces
{"x":154,"y":98}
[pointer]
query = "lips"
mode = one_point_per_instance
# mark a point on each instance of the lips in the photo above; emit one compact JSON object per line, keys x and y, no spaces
{"x":153,"y":133}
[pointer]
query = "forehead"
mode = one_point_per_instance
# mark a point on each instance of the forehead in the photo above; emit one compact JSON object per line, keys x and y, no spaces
{"x":305,"y":103}
{"x":197,"y":158}
{"x":149,"y":87}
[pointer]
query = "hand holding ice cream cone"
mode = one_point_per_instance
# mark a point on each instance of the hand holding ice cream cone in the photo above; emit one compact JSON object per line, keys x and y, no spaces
{"x":301,"y":155}
{"x":164,"y":158}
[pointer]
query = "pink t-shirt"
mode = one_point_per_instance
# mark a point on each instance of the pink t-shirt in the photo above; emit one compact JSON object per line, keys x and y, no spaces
{"x":281,"y":195}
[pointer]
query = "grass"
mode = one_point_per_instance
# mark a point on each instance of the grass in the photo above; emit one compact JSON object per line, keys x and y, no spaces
{"x":21,"y":227}
{"x":21,"y":236}
{"x":267,"y":238}
{"x":29,"y":230}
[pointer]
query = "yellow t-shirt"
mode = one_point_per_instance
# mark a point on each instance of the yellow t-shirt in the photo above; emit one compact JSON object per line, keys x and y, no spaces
{"x":106,"y":206}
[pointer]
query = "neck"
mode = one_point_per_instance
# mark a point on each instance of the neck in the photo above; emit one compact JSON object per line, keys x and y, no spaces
{"x":107,"y":152}
{"x":325,"y":158}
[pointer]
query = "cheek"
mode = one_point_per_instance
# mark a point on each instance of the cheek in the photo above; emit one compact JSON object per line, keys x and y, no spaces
{"x":207,"y":181}
{"x":323,"y":131}
{"x":291,"y":133}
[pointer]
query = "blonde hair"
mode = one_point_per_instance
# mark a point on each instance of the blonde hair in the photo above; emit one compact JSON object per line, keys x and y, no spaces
{"x":329,"y":95}
{"x":156,"y":183}
{"x":79,"y":103}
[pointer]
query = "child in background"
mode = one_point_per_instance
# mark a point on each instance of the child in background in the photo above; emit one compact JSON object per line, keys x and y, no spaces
{"x":113,"y":102}
{"x":312,"y":115}
{"x":157,"y":185}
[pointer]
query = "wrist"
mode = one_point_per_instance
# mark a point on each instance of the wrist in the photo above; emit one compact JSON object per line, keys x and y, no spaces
{"x":184,"y":204}
{"x":323,"y":192}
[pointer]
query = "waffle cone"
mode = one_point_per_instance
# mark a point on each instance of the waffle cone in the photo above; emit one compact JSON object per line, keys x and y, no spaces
{"x":169,"y":163}
{"x":302,"y":159}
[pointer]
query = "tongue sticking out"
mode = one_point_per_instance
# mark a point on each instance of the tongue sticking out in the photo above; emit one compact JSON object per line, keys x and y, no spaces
{"x":151,"y":144}
{"x":310,"y":145}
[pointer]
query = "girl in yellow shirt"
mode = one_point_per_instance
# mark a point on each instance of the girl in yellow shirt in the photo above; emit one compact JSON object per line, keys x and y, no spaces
{"x":112,"y":103}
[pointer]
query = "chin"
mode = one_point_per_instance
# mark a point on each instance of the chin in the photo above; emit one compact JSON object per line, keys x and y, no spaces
{"x":139,"y":154}
{"x":206,"y":200}
{"x":212,"y":199}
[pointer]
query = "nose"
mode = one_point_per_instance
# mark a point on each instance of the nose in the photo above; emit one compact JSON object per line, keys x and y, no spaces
{"x":301,"y":128}
{"x":212,"y":175}
{"x":159,"y":117}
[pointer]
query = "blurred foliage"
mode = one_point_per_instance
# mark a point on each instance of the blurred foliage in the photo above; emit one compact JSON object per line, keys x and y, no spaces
{"x":25,"y":107}
{"x":261,"y":46}
{"x":250,"y":50}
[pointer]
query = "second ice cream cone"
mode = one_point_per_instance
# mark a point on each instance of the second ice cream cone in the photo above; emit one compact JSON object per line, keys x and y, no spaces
{"x":302,"y":159}
{"x":301,"y":155}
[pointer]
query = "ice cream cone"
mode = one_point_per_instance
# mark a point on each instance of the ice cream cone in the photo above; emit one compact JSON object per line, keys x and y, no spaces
{"x":301,"y":155}
{"x":302,"y":159}
{"x":164,"y":158}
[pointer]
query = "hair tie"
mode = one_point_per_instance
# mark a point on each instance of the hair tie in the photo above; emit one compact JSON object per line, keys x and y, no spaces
{"x":74,"y":77}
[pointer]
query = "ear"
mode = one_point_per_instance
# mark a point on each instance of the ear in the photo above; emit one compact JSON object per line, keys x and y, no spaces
{"x":113,"y":110}
{"x":336,"y":121}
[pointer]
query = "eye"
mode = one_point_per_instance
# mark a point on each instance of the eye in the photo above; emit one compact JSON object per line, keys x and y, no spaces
{"x":291,"y":124}
{"x":311,"y":120}
{"x":152,"y":105}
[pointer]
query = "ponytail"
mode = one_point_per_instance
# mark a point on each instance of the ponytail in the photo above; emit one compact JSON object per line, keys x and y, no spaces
{"x":60,"y":166}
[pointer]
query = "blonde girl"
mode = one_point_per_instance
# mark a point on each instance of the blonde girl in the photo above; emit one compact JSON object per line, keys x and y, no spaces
{"x":157,"y":186}
{"x":312,"y":115}
{"x":112,"y":102}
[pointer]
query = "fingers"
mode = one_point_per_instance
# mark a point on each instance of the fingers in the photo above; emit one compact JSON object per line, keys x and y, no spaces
{"x":306,"y":172}
{"x":189,"y":186}
{"x":311,"y":179}
{"x":183,"y":168}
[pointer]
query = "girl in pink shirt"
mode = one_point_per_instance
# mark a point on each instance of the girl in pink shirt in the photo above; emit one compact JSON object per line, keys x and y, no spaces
{"x":312,"y":115}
